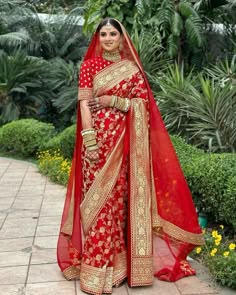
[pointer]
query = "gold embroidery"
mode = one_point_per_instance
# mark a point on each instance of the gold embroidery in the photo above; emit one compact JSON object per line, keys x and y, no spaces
{"x":113,"y":75}
{"x":85,"y":93}
{"x":142,"y":271}
{"x":71,"y":272}
{"x":102,"y":186}
{"x":140,"y":198}
{"x":100,"y":280}
{"x":176,"y":232}
{"x":120,"y":268}
{"x":92,"y":279}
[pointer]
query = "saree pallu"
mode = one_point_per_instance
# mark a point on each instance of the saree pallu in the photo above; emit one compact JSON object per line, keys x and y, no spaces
{"x":123,"y":215}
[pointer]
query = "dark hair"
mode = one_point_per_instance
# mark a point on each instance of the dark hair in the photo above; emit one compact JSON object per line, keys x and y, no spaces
{"x":112,"y":21}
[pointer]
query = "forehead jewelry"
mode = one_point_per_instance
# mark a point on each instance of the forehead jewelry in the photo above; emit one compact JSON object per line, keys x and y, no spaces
{"x":108,"y":25}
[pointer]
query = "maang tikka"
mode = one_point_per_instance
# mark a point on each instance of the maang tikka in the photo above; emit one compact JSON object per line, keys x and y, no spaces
{"x":108,"y":25}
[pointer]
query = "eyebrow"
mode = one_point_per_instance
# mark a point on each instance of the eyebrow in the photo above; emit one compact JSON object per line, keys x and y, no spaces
{"x":107,"y":32}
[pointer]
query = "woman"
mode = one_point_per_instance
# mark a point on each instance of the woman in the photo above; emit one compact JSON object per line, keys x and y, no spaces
{"x":128,"y":212}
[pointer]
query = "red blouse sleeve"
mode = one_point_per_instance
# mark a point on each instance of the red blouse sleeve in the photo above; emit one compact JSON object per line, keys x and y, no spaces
{"x":85,"y":81}
{"x":139,"y":89}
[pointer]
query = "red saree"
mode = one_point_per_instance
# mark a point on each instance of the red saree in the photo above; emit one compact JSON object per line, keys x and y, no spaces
{"x":130,"y":214}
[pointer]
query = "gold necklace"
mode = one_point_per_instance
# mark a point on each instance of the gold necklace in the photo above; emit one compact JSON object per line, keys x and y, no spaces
{"x":112,"y":56}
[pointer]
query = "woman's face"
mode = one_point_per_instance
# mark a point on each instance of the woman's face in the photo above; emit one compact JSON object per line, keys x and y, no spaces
{"x":109,"y":38}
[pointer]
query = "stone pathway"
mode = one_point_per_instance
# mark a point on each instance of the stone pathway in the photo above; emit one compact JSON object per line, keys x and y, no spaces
{"x":30,"y":213}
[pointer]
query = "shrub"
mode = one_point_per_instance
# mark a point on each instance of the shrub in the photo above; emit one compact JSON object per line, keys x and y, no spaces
{"x":54,"y":165}
{"x":64,"y":141}
{"x":24,"y":137}
{"x":212,"y":181}
{"x":218,"y":254}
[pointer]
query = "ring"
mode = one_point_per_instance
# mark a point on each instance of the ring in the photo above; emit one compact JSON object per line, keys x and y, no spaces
{"x":97,"y":105}
{"x":96,"y":99}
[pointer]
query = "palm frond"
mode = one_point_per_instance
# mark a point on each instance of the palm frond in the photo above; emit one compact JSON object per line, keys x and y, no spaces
{"x":193,"y":28}
{"x":177,"y":25}
{"x":187,"y":10}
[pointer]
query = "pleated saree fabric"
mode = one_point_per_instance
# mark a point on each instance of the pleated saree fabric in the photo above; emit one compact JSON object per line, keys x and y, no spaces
{"x":129,"y":215}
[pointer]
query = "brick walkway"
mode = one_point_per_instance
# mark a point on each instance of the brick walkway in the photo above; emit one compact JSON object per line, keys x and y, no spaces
{"x":30,"y":212}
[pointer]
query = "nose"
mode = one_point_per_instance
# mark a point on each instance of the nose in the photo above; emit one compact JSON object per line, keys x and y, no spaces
{"x":108,"y":37}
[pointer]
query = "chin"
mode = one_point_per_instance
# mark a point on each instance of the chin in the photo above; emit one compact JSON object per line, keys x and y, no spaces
{"x":110,"y":49}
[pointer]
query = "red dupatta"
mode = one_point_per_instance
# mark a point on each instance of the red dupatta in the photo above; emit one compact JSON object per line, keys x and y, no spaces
{"x":174,"y":221}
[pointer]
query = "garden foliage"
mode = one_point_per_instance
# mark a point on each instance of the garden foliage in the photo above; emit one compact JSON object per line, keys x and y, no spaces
{"x":25,"y":137}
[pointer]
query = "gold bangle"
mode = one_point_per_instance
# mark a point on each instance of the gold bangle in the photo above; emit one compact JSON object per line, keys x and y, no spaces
{"x":87,"y":144}
{"x":122,"y":104}
{"x":92,"y":148}
{"x":87,"y":131}
{"x":113,"y":100}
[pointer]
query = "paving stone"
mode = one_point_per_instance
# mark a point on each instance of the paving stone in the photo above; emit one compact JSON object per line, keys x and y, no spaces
{"x":18,"y":289}
{"x":8,"y":189}
{"x":9,"y":182}
{"x":45,"y":273}
{"x":49,"y":220}
{"x":48,"y":230}
{"x":49,"y":242}
{"x":17,"y":213}
{"x":47,"y":211}
{"x":13,"y":275}
{"x":158,"y":287}
{"x":15,"y":244}
{"x":192,"y":285}
{"x":42,"y":256}
{"x":20,"y":232}
{"x":27,"y":203}
{"x":7,"y":194}
{"x":55,"y":192}
{"x":14,"y":258}
{"x":15,"y":222}
{"x":57,"y":288}
{"x":1,"y":221}
{"x":29,"y":194}
{"x":33,"y":188}
{"x":6,"y":203}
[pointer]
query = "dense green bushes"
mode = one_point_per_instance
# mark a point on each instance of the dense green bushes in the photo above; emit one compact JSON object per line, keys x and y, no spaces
{"x":64,"y":141}
{"x":25,"y":137}
{"x":212,"y":181}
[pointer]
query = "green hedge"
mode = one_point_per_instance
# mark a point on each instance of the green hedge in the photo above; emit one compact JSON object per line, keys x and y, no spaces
{"x":212,"y":181}
{"x":64,"y":142}
{"x":24,"y":137}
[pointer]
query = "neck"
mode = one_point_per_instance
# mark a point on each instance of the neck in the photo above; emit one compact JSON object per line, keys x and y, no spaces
{"x":112,"y":56}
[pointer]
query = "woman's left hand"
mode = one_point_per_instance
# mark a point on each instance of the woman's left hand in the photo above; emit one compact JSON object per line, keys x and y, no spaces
{"x":99,"y":103}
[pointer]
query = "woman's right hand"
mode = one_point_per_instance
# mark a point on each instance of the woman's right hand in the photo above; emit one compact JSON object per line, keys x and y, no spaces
{"x":92,"y":156}
{"x":99,"y":103}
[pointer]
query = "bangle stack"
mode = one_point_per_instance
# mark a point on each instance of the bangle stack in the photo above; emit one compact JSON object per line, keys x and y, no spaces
{"x":113,"y":100}
{"x":89,"y":138}
{"x":122,"y":104}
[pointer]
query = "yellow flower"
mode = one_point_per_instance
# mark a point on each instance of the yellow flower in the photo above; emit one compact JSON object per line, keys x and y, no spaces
{"x":217,"y":242}
{"x":226,"y":253}
{"x":213,"y":252}
{"x":232,"y":246}
{"x":214,"y":233}
{"x":218,"y":238}
{"x":221,"y":226}
{"x":198,"y":250}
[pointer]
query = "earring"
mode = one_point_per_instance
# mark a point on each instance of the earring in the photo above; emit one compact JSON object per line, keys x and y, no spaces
{"x":120,"y":46}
